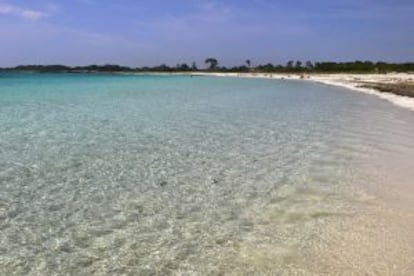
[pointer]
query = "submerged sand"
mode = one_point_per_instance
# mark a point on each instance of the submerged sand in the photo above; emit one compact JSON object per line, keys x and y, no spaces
{"x":356,"y":82}
{"x":274,"y":215}
{"x":377,"y":239}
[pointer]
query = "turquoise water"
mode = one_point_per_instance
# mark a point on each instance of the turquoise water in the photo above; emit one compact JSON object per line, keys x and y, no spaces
{"x":127,"y":175}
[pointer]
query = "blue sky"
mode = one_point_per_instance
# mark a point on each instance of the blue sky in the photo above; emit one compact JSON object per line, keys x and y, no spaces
{"x":138,"y":32}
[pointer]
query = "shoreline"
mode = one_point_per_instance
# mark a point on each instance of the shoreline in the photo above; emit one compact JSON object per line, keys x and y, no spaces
{"x":288,"y":190}
{"x":348,"y":81}
{"x":397,"y":88}
{"x":377,"y":237}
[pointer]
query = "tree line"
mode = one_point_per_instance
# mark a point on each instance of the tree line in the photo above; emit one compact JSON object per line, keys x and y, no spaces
{"x":212,"y":65}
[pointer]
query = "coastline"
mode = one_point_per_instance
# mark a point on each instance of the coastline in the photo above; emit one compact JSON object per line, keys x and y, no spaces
{"x":379,"y":233}
{"x":287,"y":192}
{"x":349,"y":81}
{"x":397,"y":88}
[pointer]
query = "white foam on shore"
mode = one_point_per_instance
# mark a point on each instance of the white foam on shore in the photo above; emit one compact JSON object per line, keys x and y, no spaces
{"x":348,"y":81}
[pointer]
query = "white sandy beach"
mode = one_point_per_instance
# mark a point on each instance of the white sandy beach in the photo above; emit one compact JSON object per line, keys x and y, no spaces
{"x":350,"y":81}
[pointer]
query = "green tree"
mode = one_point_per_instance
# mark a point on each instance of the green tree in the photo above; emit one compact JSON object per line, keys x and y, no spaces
{"x":248,"y":62}
{"x":212,"y":63}
{"x":183,"y":67}
{"x":289,"y":64}
{"x":309,"y":65}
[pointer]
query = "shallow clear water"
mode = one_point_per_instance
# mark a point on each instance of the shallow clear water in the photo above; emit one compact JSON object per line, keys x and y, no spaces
{"x":109,"y":174}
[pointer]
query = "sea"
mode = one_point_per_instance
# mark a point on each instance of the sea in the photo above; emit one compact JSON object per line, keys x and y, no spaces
{"x":110,"y":174}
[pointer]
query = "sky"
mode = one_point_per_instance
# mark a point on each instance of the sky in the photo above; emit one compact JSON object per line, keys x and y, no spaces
{"x":152,"y":32}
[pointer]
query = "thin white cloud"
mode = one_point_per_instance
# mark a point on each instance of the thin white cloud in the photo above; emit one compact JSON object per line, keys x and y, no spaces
{"x":8,"y":9}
